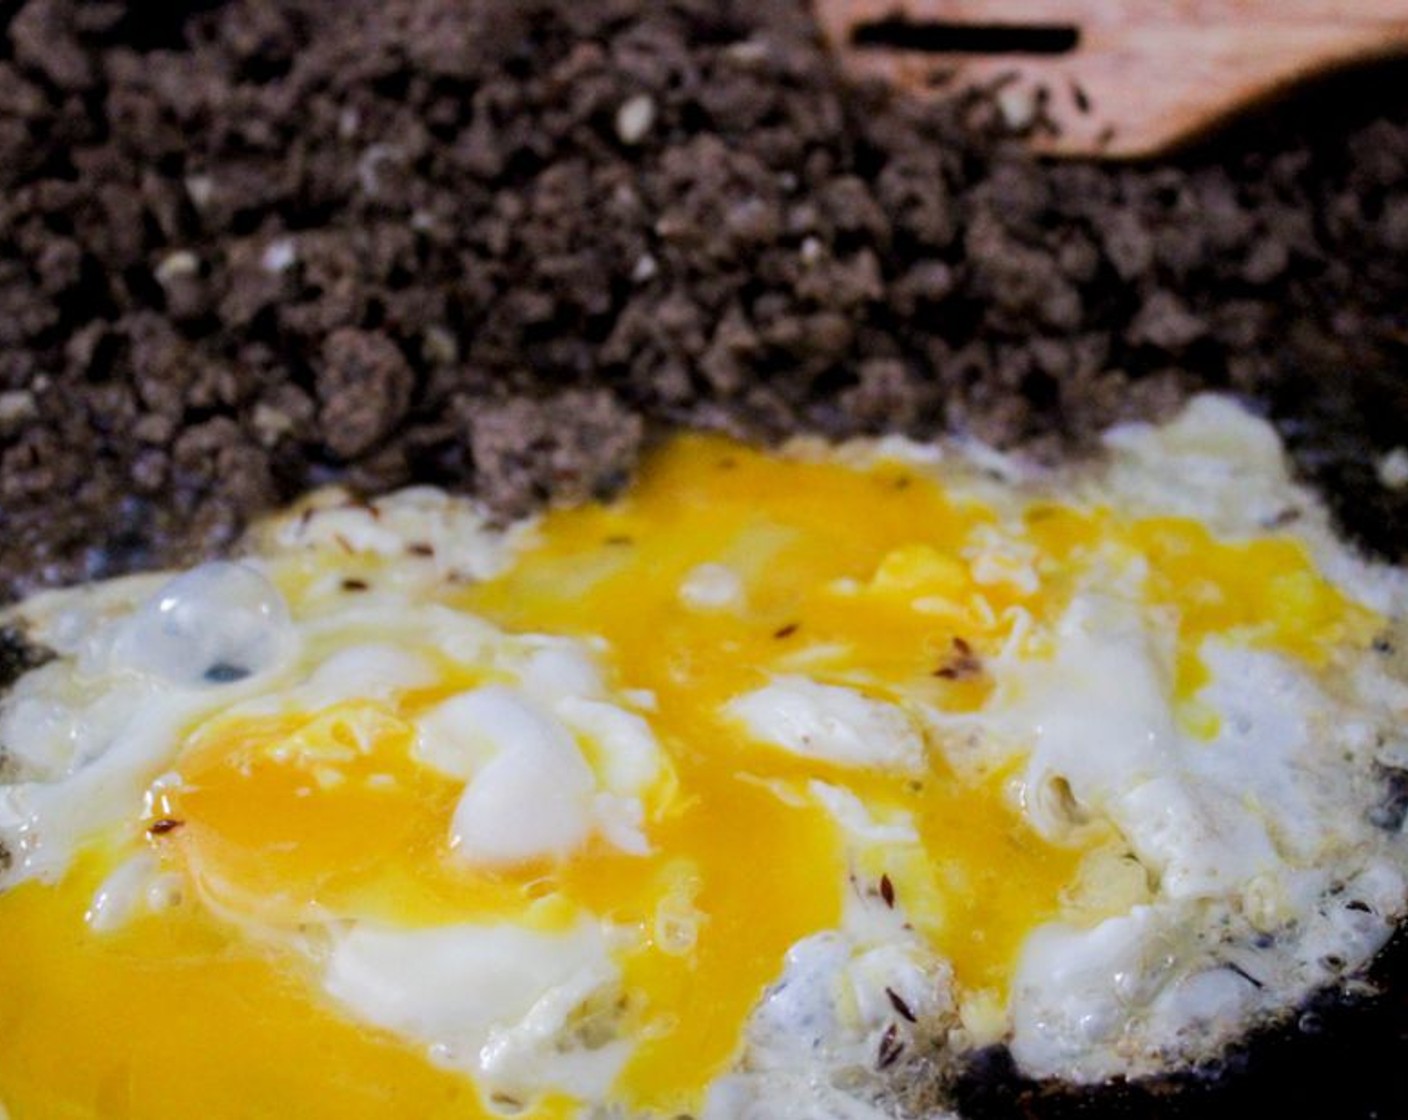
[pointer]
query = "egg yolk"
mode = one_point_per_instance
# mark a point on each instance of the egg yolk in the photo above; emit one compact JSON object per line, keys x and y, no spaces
{"x":870,"y":578}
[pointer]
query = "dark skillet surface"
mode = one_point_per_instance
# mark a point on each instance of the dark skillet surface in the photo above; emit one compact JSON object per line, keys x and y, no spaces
{"x":1338,"y":1058}
{"x":505,"y":346}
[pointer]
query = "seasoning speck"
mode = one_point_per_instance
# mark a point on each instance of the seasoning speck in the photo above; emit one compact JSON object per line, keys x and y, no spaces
{"x":634,"y":118}
{"x":963,"y":665}
{"x":900,"y":1006}
{"x":887,"y":891}
{"x":890,"y":1048}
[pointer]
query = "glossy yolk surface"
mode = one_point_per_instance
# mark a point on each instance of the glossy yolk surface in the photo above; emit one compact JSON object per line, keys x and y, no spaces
{"x":866,"y":578}
{"x":175,"y":1014}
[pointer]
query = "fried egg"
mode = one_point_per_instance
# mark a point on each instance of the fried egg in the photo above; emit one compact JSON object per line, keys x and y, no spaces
{"x":769,"y":789}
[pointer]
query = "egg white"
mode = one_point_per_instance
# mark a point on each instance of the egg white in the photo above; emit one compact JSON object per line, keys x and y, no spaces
{"x":1233,"y":860}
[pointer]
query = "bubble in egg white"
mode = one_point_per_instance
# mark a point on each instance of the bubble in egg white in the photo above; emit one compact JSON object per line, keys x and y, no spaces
{"x":216,"y":624}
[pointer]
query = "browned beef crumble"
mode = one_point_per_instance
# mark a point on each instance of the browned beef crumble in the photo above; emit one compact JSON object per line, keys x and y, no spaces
{"x":249,"y":247}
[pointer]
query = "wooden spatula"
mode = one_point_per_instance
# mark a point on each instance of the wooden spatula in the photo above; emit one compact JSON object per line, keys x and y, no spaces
{"x":1114,"y":78}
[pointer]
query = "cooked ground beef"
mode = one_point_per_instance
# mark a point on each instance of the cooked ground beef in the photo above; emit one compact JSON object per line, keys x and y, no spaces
{"x":249,"y":247}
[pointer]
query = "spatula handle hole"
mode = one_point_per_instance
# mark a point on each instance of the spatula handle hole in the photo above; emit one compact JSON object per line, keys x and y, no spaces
{"x":936,"y":37}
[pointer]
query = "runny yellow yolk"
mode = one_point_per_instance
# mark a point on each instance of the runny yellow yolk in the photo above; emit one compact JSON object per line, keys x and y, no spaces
{"x":859,"y":577}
